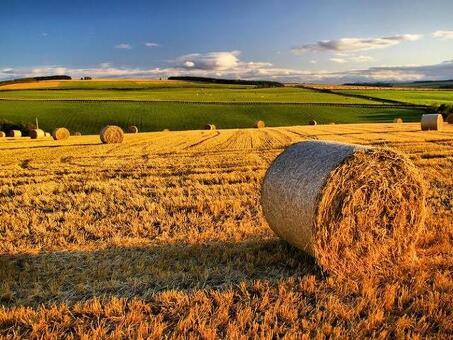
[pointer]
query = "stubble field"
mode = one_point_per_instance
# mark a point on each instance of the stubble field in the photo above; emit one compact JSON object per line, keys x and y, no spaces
{"x":164,"y":235}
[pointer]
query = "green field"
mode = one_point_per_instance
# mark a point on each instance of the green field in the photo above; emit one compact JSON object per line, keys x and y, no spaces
{"x":419,"y":97}
{"x":88,"y":118}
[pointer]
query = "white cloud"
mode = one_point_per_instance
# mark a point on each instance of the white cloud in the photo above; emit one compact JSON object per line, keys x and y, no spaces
{"x":209,"y":61}
{"x":338,"y":60}
{"x":123,"y":46}
{"x":355,"y":44}
{"x":443,"y":35}
{"x":105,"y":65}
{"x":151,"y":44}
{"x":313,"y":62}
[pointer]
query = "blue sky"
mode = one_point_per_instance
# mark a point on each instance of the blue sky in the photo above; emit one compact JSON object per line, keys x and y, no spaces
{"x":313,"y":41}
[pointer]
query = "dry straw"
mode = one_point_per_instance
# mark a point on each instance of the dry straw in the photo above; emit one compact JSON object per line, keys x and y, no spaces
{"x":398,"y":120}
{"x":260,"y":124}
{"x":2,"y":134}
{"x":450,"y":118}
{"x":37,"y":133}
{"x":132,"y":129}
{"x":354,"y":209}
{"x":312,"y":122}
{"x":432,"y":122}
{"x":14,"y":133}
{"x":209,"y":127}
{"x":111,"y":134}
{"x":60,"y":133}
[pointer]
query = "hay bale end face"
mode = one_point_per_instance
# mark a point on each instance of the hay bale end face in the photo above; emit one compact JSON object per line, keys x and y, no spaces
{"x":132,"y":129}
{"x":432,"y":122}
{"x":14,"y":133}
{"x":37,"y":133}
{"x":260,"y":124}
{"x":60,"y":133}
{"x":312,"y":122}
{"x":398,"y":120}
{"x":354,"y":209}
{"x":209,"y":127}
{"x":2,"y":134}
{"x":111,"y":134}
{"x":450,"y":118}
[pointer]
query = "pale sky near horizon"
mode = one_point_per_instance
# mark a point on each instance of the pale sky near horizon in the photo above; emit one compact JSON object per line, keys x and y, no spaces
{"x":286,"y":40}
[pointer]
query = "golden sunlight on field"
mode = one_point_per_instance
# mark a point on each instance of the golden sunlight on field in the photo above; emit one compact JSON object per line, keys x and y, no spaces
{"x":32,"y":85}
{"x":163,"y":235}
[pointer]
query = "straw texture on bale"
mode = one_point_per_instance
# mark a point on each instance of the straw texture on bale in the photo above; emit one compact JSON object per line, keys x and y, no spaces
{"x":260,"y":124}
{"x":132,"y":129}
{"x":354,"y":209}
{"x":398,"y":120}
{"x":450,"y":118}
{"x":432,"y":122}
{"x":14,"y":133}
{"x":2,"y":134}
{"x":60,"y":133}
{"x":209,"y":127}
{"x":312,"y":122}
{"x":112,"y":134}
{"x":37,"y":133}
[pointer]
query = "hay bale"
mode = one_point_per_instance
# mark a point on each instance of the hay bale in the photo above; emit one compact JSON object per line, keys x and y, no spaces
{"x":450,"y":118}
{"x":77,"y":133}
{"x":37,"y":133}
{"x":47,"y":134}
{"x":2,"y":134}
{"x":432,"y":122}
{"x":209,"y":127}
{"x":260,"y":124}
{"x":312,"y":122}
{"x":60,"y":133}
{"x":353,"y":208}
{"x":132,"y":129}
{"x":398,"y":120}
{"x":14,"y":133}
{"x":166,"y":130}
{"x":112,"y":134}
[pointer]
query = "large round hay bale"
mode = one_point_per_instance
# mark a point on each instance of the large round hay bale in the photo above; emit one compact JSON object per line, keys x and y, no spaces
{"x":312,"y":122}
{"x":112,"y":134}
{"x":37,"y":133}
{"x":398,"y":120}
{"x":2,"y":134}
{"x":14,"y":133}
{"x":353,"y":208}
{"x":450,"y":118}
{"x":260,"y":124}
{"x":432,"y":122}
{"x":209,"y":127}
{"x":60,"y":133}
{"x":132,"y":129}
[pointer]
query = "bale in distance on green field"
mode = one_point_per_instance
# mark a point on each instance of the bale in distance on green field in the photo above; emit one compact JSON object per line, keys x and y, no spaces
{"x":450,"y":118}
{"x":2,"y":134}
{"x":432,"y":122}
{"x":353,"y":208}
{"x":398,"y":120}
{"x":111,"y":134}
{"x":60,"y":133}
{"x":312,"y":122}
{"x":37,"y":133}
{"x":260,"y":124}
{"x":209,"y":127}
{"x":132,"y":129}
{"x":14,"y":133}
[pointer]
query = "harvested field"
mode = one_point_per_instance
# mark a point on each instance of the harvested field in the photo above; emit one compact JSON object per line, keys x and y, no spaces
{"x":163,"y":235}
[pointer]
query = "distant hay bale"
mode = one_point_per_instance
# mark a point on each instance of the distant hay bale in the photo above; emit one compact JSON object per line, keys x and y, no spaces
{"x":450,"y":118}
{"x":132,"y":129}
{"x":2,"y":134}
{"x":47,"y":134}
{"x":209,"y":127}
{"x":112,"y":134}
{"x":77,"y":133}
{"x":398,"y":120}
{"x":432,"y":122}
{"x":165,"y":130}
{"x":352,"y":208}
{"x":312,"y":122}
{"x":260,"y":124}
{"x":60,"y":133}
{"x":37,"y":133}
{"x":14,"y":133}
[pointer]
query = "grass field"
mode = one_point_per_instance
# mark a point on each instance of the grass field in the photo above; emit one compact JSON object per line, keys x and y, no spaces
{"x":90,"y":117}
{"x":163,"y":235}
{"x":420,"y":97}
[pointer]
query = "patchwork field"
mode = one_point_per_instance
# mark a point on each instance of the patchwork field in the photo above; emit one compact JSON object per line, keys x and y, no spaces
{"x":163,"y":235}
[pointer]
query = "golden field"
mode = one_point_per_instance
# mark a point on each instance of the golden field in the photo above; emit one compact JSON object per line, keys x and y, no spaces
{"x":164,"y":236}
